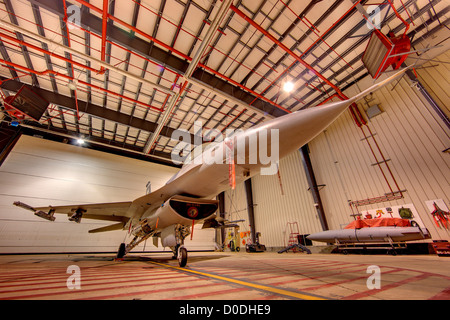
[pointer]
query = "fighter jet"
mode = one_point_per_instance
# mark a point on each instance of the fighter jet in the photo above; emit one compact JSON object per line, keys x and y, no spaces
{"x":169,"y":212}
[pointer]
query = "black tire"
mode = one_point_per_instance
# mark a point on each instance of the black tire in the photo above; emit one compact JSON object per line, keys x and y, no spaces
{"x":182,"y":257}
{"x":121,"y":252}
{"x":232,"y":246}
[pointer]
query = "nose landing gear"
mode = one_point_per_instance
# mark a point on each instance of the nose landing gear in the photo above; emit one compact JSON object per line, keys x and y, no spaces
{"x":182,"y":256}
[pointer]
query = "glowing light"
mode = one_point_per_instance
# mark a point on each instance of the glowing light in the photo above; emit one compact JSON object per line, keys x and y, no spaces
{"x":80,"y":141}
{"x":288,"y":86}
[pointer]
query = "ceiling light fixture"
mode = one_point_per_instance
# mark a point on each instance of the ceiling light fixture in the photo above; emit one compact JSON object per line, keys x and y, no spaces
{"x":288,"y":86}
{"x":71,"y":85}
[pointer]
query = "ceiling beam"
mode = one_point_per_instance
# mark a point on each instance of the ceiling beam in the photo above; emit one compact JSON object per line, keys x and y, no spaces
{"x":166,"y":59}
{"x":89,"y":108}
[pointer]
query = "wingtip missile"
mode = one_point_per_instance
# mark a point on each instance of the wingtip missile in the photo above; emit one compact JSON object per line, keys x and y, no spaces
{"x":41,"y":214}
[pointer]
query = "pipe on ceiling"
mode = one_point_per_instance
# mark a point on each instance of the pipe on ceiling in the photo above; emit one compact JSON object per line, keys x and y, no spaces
{"x":282,"y":46}
{"x":13,"y":27}
{"x":66,"y":135}
{"x":46,"y":72}
{"x":184,"y":56}
{"x":224,"y":7}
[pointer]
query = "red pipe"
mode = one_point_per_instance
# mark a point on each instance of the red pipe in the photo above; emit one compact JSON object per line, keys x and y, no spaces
{"x":384,"y":160}
{"x":2,"y":35}
{"x":94,"y":8}
{"x":129,"y":26}
{"x":70,"y":55}
{"x":321,"y":37}
{"x":29,"y":45}
{"x":282,"y":46}
{"x":399,"y":16}
{"x":311,"y":46}
{"x":377,"y":162}
{"x":327,"y":99}
{"x":104,"y":26}
{"x":168,"y":21}
{"x":79,"y":81}
{"x":243,"y":87}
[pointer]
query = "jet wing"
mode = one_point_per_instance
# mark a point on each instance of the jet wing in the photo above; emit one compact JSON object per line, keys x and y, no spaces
{"x":182,"y":184}
{"x":115,"y":211}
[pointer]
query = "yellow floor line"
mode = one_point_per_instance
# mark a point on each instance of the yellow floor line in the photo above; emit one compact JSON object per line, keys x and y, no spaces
{"x":247,"y":284}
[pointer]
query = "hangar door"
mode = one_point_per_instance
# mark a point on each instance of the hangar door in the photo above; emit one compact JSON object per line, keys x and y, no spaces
{"x":41,"y":173}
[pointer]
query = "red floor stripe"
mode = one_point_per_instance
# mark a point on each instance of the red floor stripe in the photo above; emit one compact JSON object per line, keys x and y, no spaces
{"x":313,"y":278}
{"x":67,"y":291}
{"x":331,"y":284}
{"x":84,"y":277}
{"x":83,"y":284}
{"x":368,"y":293}
{"x":443,"y":295}
{"x":121,"y":295}
{"x":208,"y":294}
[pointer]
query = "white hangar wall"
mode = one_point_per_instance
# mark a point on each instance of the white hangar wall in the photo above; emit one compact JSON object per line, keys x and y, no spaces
{"x":41,"y":172}
{"x":408,"y":132}
{"x":277,"y":202}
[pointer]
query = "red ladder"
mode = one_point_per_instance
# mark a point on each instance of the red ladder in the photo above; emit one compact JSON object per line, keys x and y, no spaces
{"x":293,"y":234}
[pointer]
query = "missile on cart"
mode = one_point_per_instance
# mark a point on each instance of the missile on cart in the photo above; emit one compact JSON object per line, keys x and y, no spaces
{"x":376,"y":234}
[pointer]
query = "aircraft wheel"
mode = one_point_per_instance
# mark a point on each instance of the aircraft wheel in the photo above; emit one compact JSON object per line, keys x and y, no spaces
{"x":121,"y":252}
{"x":182,"y":257}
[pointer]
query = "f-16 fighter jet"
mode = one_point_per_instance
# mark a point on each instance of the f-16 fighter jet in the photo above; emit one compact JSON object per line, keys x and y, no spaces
{"x":185,"y":200}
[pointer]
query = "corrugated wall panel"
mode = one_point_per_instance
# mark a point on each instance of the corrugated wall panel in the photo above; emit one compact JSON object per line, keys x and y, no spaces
{"x":41,"y":172}
{"x":273,"y":210}
{"x":408,"y":133}
{"x":434,"y":77}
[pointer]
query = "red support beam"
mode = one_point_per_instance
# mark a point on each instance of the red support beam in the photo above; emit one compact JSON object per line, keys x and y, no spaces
{"x":46,"y":72}
{"x":104,"y":28}
{"x":136,"y":30}
{"x":243,"y":87}
{"x":173,"y":50}
{"x":282,"y":46}
{"x":399,"y":16}
{"x":29,"y":45}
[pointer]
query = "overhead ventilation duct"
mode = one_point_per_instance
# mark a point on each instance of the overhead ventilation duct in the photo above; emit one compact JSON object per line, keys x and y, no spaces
{"x":26,"y":103}
{"x":382,"y":52}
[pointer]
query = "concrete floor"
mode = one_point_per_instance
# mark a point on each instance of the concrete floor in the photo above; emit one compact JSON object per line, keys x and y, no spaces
{"x":225,"y":276}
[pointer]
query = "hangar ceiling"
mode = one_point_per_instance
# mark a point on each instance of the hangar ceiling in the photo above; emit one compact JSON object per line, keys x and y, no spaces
{"x":125,"y":74}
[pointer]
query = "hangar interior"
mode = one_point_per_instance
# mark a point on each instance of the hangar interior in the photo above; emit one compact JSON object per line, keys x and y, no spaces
{"x":92,"y":92}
